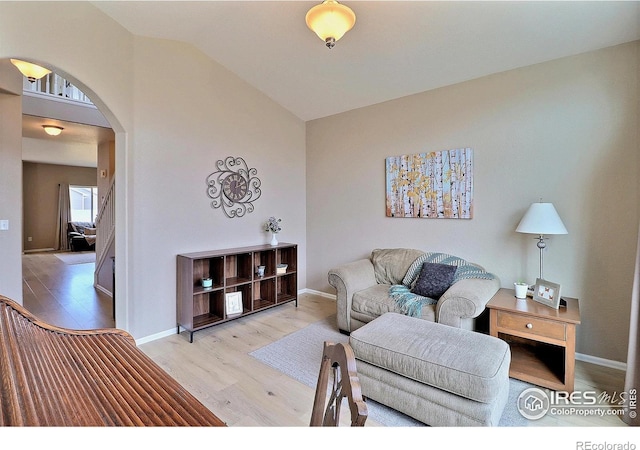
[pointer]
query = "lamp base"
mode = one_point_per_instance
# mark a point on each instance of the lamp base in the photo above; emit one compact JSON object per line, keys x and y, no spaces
{"x":541,"y":245}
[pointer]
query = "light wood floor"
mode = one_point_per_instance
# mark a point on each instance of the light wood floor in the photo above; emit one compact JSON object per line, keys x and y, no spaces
{"x":217,"y":367}
{"x":63,"y":294}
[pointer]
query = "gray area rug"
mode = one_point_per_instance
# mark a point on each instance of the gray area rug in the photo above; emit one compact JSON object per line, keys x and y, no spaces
{"x":77,"y":257}
{"x":298,"y":355}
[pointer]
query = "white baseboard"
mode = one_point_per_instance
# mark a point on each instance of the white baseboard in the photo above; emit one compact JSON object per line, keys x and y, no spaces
{"x":38,"y":250}
{"x":103,"y":290}
{"x":156,"y":336}
{"x":579,"y":356}
{"x":319,"y":293}
{"x":601,"y":361}
{"x":171,"y":331}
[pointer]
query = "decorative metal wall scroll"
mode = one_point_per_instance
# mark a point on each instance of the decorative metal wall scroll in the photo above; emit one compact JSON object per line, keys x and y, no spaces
{"x":233,"y":187}
{"x":431,"y":185}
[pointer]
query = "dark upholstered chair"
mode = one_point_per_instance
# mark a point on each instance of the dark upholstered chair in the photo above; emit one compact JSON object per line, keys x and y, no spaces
{"x":79,"y":240}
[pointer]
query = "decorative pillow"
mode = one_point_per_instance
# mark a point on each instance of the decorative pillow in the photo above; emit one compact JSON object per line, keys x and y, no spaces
{"x":90,"y":231}
{"x":390,"y":265}
{"x":434,"y":280}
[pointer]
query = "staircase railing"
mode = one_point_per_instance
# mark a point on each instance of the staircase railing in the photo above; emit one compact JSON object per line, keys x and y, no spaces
{"x":105,"y":225}
{"x":54,"y":85}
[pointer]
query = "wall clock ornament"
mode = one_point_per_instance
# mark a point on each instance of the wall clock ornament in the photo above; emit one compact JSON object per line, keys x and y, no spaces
{"x":233,"y":187}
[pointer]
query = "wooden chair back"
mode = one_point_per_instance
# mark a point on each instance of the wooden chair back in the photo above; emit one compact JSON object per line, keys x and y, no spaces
{"x":338,"y":360}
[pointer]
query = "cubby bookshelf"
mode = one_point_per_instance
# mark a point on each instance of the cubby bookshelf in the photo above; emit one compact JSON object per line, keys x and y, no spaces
{"x":233,"y":270}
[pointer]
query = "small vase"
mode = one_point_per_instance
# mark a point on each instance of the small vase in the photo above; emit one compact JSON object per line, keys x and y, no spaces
{"x":274,"y":239}
{"x":521,"y":290}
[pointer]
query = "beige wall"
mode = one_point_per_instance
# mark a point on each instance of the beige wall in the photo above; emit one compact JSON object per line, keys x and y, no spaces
{"x":10,"y":181}
{"x":106,"y":163}
{"x":175,"y":113}
{"x":50,"y":151}
{"x":180,"y":134}
{"x":40,"y":195}
{"x":564,"y":131}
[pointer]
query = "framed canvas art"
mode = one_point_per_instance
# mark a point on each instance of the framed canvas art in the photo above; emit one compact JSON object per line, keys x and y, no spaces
{"x":430,"y":185}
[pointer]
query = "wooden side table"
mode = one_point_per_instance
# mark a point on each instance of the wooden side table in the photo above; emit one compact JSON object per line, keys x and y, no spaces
{"x":542,"y":339}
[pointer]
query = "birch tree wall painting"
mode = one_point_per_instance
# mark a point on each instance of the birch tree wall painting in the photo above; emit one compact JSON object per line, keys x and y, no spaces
{"x":431,"y":185}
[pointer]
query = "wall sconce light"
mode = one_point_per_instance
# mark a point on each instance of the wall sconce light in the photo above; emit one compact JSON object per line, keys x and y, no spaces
{"x":330,"y":21}
{"x":32,"y":71}
{"x":52,"y":130}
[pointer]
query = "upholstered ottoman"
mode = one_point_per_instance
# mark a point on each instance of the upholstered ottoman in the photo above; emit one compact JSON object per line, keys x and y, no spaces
{"x":437,"y":374}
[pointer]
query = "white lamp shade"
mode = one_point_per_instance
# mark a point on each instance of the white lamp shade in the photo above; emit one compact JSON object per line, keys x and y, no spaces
{"x":330,"y":19}
{"x":541,"y":218}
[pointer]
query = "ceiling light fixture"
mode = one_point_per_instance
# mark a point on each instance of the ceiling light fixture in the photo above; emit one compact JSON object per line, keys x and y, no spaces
{"x":32,"y":71}
{"x":330,"y":21}
{"x":52,"y":130}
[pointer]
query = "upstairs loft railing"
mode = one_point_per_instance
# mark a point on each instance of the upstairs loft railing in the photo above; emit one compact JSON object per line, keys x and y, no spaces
{"x":54,"y":85}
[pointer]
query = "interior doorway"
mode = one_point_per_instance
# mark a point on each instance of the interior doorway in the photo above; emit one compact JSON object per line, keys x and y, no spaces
{"x":72,"y":289}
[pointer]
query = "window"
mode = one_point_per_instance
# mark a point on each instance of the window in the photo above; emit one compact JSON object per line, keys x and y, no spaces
{"x":84,"y":203}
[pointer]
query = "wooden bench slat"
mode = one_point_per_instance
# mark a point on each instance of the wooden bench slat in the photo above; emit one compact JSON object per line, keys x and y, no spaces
{"x":52,"y":376}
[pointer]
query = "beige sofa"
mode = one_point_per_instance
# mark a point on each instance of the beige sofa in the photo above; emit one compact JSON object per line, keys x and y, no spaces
{"x":362,"y":291}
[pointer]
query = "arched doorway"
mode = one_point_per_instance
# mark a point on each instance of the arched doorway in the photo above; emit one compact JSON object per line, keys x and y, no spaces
{"x":67,"y":294}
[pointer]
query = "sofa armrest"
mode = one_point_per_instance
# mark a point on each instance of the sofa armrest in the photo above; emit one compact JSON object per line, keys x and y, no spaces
{"x":348,"y":279}
{"x":466,"y":299}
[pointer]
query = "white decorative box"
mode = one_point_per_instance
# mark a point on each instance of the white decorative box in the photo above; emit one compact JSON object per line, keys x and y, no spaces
{"x":281,"y":269}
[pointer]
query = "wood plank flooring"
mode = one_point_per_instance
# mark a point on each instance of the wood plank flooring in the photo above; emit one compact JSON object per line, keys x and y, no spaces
{"x":240,"y":390}
{"x":217,"y":367}
{"x":63,"y":294}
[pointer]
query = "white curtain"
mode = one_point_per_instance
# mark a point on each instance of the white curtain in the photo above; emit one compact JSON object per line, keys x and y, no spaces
{"x":64,"y":216}
{"x":632,"y":380}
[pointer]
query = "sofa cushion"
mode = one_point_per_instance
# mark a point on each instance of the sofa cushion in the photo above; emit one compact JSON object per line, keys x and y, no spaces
{"x":375,"y":301}
{"x":463,"y":362}
{"x":391,"y":265}
{"x":434,"y":280}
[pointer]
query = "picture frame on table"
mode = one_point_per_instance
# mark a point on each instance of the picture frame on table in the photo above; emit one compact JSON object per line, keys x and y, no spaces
{"x":547,"y":293}
{"x":233,"y":303}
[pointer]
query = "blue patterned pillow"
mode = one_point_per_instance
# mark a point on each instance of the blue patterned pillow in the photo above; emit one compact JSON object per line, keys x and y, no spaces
{"x":434,"y":280}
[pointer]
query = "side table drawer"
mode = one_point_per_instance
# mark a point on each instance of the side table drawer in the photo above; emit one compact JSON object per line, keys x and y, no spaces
{"x":523,"y":325}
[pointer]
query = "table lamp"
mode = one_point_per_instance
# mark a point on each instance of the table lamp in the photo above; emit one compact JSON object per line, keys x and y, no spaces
{"x":541,"y":219}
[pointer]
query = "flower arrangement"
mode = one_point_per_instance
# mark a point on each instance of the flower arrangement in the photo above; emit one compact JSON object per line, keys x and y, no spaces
{"x":273,"y":225}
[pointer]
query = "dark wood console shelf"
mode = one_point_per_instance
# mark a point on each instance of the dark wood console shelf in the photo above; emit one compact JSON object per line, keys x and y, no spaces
{"x":233,"y":270}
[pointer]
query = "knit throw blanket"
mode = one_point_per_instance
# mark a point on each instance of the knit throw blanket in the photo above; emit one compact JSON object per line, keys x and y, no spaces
{"x":411,"y":304}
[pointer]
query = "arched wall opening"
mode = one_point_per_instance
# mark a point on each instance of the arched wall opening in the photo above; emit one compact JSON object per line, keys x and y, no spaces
{"x":120,"y":279}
